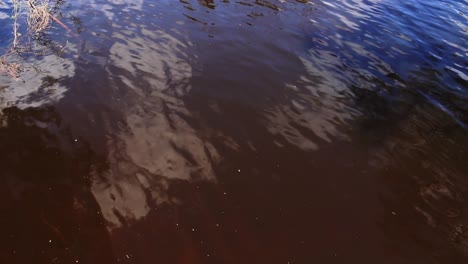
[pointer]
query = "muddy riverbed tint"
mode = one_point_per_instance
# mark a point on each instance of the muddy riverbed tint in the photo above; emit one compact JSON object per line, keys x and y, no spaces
{"x":253,"y":131}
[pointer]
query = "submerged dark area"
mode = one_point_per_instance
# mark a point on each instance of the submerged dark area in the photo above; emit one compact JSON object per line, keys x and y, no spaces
{"x":238,"y":132}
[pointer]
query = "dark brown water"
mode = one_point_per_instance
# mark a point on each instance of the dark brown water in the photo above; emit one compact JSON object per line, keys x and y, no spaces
{"x":238,"y":132}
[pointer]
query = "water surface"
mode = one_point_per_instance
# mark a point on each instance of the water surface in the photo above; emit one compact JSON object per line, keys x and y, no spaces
{"x":238,"y":132}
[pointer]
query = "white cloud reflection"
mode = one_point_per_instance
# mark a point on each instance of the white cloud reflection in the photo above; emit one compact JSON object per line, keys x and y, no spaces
{"x":156,"y":143}
{"x":37,"y":83}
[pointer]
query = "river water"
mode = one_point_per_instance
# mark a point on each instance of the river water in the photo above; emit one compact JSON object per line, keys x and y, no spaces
{"x":248,"y":131}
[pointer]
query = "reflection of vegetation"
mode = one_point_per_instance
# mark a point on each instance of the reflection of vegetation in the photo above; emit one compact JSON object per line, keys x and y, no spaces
{"x":37,"y":15}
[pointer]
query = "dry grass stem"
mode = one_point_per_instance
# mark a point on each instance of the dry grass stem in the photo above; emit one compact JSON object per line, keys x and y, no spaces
{"x":11,"y":69}
{"x":15,"y":15}
{"x":38,"y":15}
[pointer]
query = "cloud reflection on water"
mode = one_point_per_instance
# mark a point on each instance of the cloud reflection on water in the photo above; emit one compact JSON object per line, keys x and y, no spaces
{"x":156,"y":143}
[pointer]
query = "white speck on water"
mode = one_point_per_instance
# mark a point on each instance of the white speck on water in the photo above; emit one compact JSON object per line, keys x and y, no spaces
{"x":50,"y":241}
{"x":127,"y":256}
{"x":76,"y":140}
{"x":225,"y":193}
{"x":193,"y":229}
{"x":238,"y":170}
{"x":393,"y":213}
{"x":217,"y":225}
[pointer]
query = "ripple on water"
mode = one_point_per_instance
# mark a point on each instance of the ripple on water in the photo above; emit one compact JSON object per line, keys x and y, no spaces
{"x":333,"y":125}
